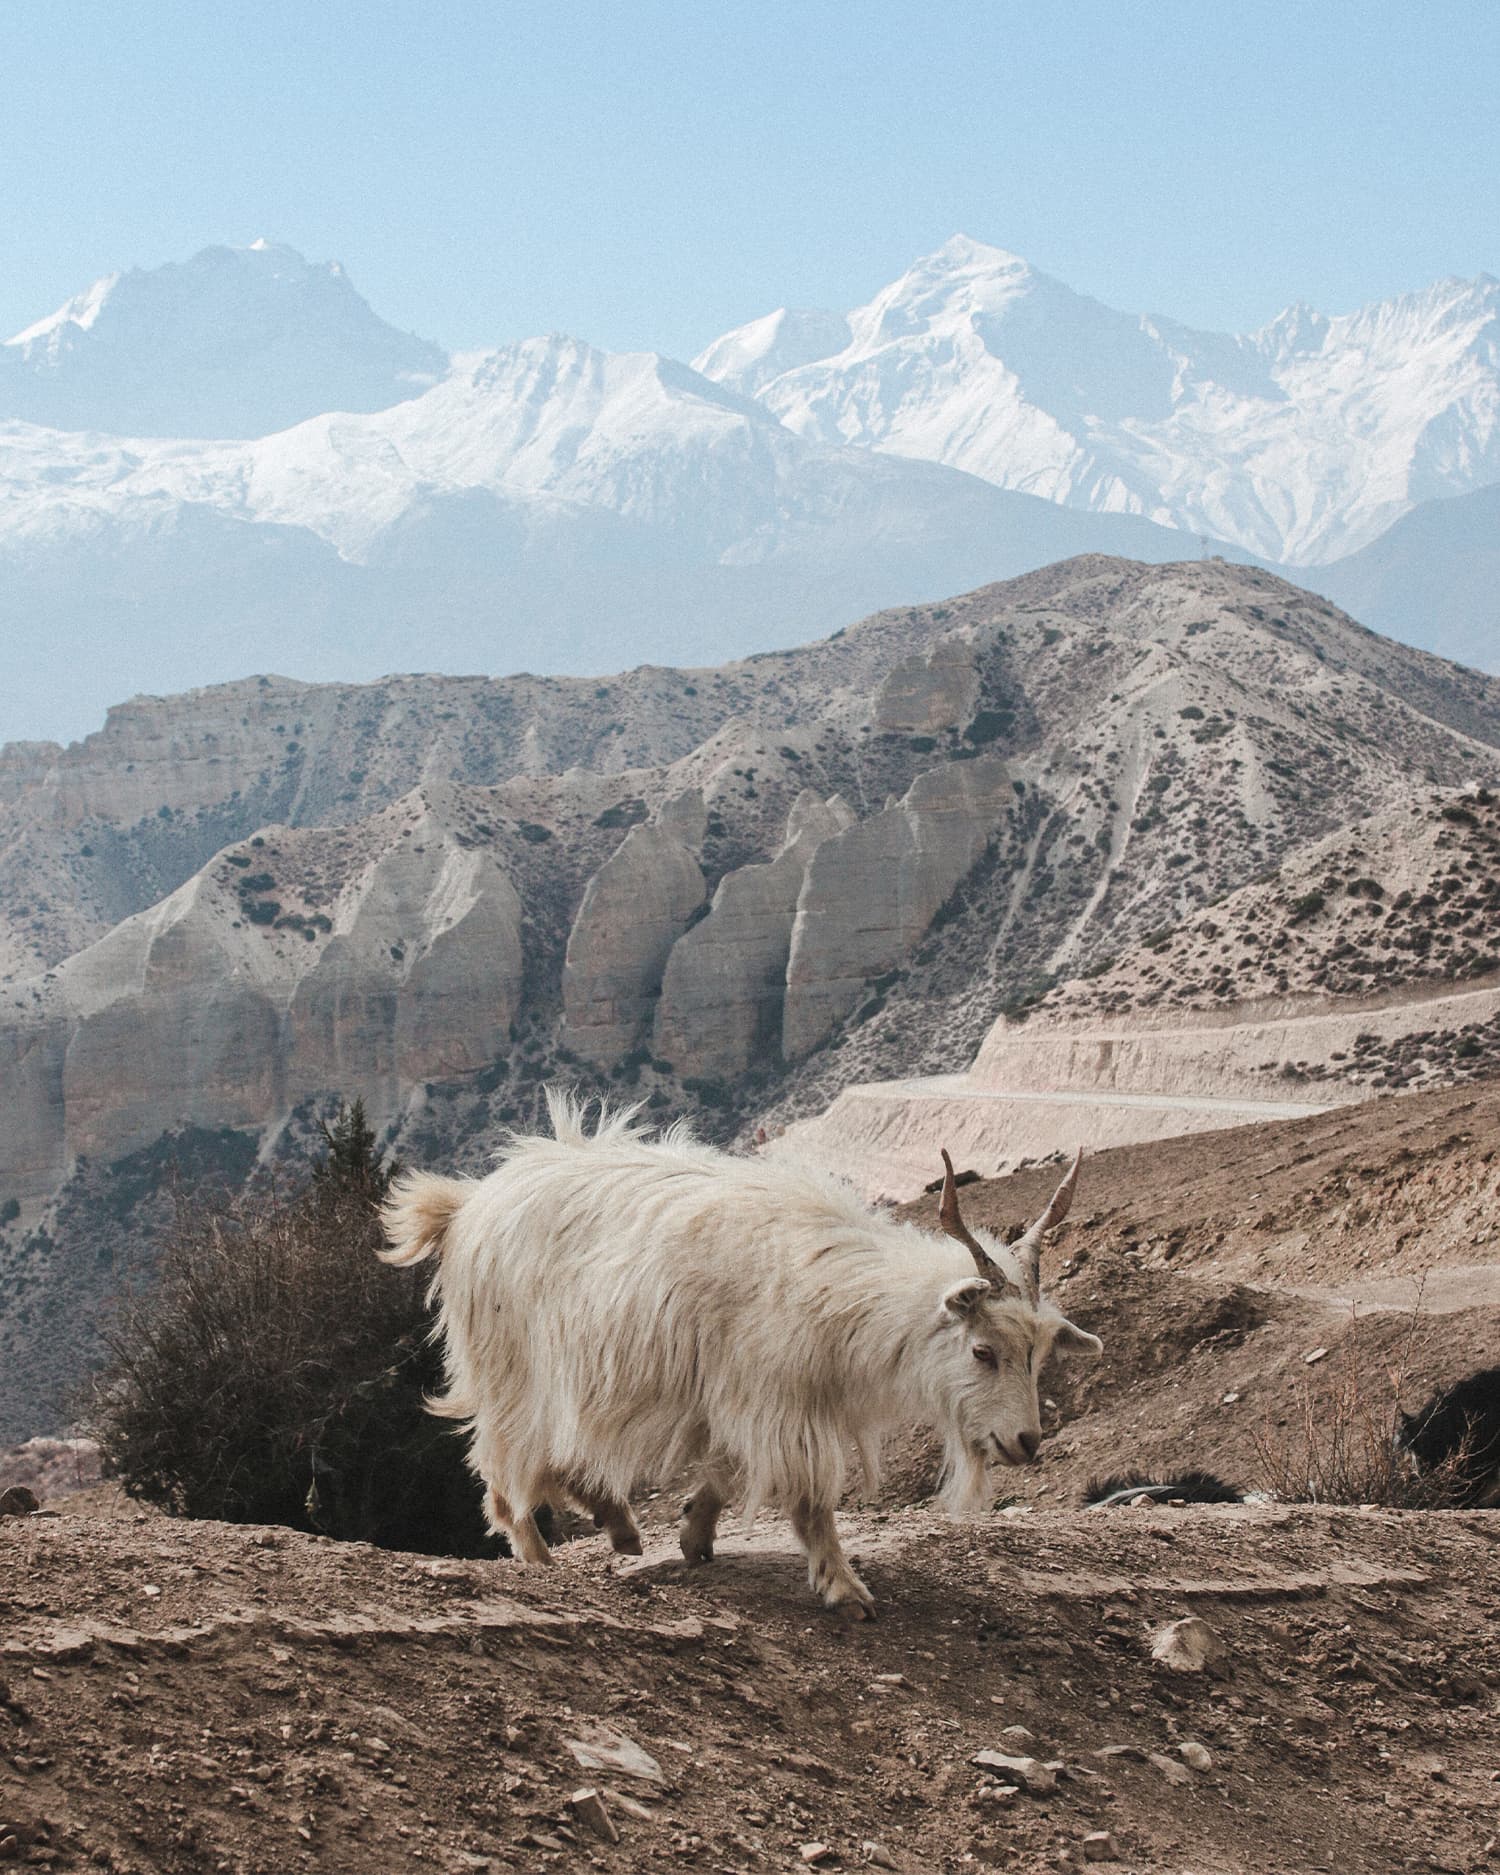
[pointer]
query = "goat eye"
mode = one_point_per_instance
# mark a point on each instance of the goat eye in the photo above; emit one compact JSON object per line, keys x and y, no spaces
{"x":985,"y":1356}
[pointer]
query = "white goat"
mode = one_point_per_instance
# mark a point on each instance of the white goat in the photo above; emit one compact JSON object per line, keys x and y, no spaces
{"x":614,"y":1307}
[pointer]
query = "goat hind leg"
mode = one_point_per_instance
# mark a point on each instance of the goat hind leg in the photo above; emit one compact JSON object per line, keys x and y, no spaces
{"x":828,"y":1568}
{"x":527,"y":1544}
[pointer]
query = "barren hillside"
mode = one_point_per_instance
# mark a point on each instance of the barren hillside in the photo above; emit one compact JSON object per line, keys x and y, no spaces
{"x":1364,"y":964}
{"x":734,"y":891}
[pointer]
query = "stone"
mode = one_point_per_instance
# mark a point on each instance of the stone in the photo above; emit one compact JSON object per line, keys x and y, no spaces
{"x":1100,"y":1846}
{"x":1170,"y":1769}
{"x":1189,"y":1646}
{"x":878,"y":1856}
{"x":588,"y":1806}
{"x":18,"y":1501}
{"x":814,"y":1853}
{"x":1197,"y":1757}
{"x":605,"y":1749}
{"x":1018,"y":1737}
{"x":1031,"y":1774}
{"x":634,"y":909}
{"x":872,"y":891}
{"x":1314,"y":1355}
{"x":628,"y":1806}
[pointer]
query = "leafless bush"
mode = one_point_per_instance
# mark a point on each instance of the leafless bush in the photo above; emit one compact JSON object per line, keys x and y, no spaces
{"x":275,"y":1372}
{"x":1339,"y":1446}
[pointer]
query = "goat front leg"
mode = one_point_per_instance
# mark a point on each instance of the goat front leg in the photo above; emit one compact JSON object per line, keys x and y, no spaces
{"x":610,"y":1515}
{"x":700,"y":1517}
{"x":828,"y":1567}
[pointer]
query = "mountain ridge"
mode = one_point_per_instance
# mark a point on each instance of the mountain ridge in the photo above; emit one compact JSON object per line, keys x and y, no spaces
{"x":731,"y":890}
{"x":233,"y":342}
{"x":975,"y":358}
{"x":549,"y":503}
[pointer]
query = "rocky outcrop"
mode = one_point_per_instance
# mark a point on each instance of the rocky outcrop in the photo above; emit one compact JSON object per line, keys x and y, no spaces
{"x":226,"y":1007}
{"x":936,"y":691}
{"x":634,"y":909}
{"x":872,"y":891}
{"x":725,"y":981}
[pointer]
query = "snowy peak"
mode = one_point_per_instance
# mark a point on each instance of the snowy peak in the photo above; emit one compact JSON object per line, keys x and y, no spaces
{"x":235,"y":342}
{"x":1298,"y":330}
{"x":1300,"y":442}
{"x":749,"y":357}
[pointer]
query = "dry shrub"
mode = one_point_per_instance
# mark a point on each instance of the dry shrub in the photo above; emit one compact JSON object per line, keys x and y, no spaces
{"x":1338,"y":1445}
{"x":275,"y":1371}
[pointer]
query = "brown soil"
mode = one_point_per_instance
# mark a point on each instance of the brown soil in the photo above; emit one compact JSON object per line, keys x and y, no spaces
{"x":194,"y":1697}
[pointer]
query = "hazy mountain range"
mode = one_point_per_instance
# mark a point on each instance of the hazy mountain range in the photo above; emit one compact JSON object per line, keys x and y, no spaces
{"x":233,"y":464}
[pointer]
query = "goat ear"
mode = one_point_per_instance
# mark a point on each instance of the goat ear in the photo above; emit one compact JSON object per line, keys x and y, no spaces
{"x":1070,"y":1339}
{"x":961,"y":1299}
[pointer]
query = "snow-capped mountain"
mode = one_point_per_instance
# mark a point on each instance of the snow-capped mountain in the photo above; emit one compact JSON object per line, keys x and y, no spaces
{"x":560,"y":436}
{"x":545,"y":506}
{"x":234,"y":342}
{"x":1301,"y":442}
{"x":370,"y":504}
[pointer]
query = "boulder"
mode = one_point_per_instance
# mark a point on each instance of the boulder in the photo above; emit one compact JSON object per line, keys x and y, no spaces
{"x":1188,"y":1646}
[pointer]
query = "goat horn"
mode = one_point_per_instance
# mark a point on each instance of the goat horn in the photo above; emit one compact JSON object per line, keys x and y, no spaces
{"x":1028,"y":1248}
{"x":954,"y":1226}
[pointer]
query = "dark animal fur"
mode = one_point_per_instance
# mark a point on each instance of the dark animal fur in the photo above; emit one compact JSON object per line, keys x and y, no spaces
{"x":1192,"y":1487}
{"x":1460,"y":1427}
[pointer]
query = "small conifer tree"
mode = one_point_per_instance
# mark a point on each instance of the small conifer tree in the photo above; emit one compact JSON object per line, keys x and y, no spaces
{"x":276,"y":1371}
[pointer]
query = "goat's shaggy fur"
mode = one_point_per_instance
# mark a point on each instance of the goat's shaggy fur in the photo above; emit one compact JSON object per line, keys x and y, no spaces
{"x":614,"y":1308}
{"x":1459,"y":1430}
{"x":1187,"y":1487}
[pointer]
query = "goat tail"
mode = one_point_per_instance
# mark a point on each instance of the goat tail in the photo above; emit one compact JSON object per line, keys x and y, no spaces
{"x":417,"y":1214}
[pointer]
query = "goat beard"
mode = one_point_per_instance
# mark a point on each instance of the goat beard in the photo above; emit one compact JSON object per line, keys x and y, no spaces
{"x":966,"y":1489}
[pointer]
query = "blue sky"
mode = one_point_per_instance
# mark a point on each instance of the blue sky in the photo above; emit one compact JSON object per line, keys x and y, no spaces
{"x":649,"y":174}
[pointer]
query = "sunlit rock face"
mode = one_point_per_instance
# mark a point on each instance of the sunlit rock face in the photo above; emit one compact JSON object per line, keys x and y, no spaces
{"x":872,"y":891}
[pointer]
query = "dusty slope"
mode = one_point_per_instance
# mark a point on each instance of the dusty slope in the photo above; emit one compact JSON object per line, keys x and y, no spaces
{"x":1365,"y":963}
{"x":1213,"y":1264}
{"x":1409,"y":897}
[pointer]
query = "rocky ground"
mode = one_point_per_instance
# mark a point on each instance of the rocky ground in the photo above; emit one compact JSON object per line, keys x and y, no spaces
{"x":200,"y":1697}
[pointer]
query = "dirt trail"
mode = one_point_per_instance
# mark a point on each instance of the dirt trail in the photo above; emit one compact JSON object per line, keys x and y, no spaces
{"x":195,"y":1697}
